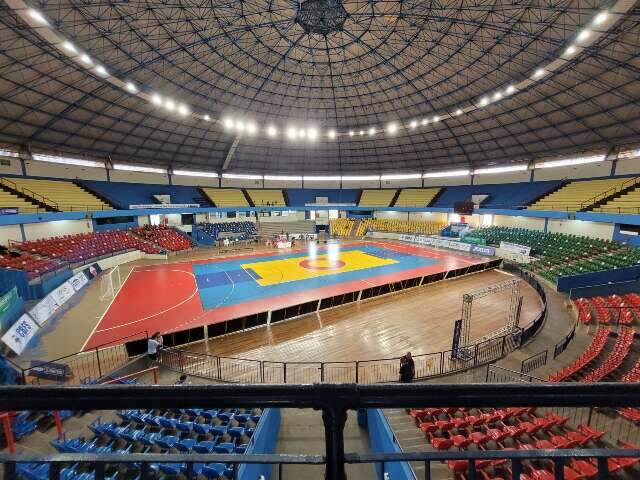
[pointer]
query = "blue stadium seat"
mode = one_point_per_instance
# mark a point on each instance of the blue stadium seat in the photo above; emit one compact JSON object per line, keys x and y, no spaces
{"x":213,"y":470}
{"x":167,"y":442}
{"x":205,"y":446}
{"x":202,"y":428}
{"x":225,"y":447}
{"x":185,"y":445}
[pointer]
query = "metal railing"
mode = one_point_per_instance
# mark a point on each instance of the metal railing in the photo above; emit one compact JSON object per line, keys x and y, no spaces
{"x":29,"y":193}
{"x":533,"y":362}
{"x":334,"y":401}
{"x":610,"y":191}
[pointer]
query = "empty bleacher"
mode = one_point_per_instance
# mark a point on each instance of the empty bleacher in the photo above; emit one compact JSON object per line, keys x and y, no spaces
{"x":504,"y":195}
{"x":123,"y":194}
{"x":244,"y":230}
{"x":299,"y":227}
{"x":226,"y":197}
{"x":399,"y":226}
{"x":62,"y":195}
{"x":416,"y":197}
{"x":167,"y":238}
{"x":11,"y":200}
{"x":578,"y":195}
{"x":261,"y":198}
{"x":341,"y":227}
{"x":628,"y":202}
{"x":377,"y":198}
{"x":299,"y":197}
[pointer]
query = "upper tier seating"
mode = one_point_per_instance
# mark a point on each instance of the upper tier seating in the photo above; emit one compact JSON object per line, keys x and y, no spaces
{"x":399,"y":226}
{"x":416,"y":197}
{"x":10,"y":200}
{"x":245,"y":230}
{"x":167,"y":238}
{"x":341,"y":227}
{"x":261,"y":198}
{"x":626,"y":203}
{"x":84,"y":246}
{"x":298,"y":228}
{"x":300,"y":197}
{"x":226,"y":197}
{"x":577,"y":195}
{"x":504,"y":195}
{"x":123,"y":194}
{"x":377,"y":198}
{"x":62,"y":195}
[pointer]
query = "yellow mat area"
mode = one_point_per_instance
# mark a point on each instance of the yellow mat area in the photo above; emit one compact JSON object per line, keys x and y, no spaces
{"x":284,"y":270}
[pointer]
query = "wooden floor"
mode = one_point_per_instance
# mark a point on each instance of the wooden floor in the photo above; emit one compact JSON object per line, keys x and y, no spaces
{"x":420,"y":320}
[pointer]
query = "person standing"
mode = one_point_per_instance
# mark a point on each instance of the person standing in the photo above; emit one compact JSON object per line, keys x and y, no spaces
{"x":407,"y":368}
{"x":154,"y":345}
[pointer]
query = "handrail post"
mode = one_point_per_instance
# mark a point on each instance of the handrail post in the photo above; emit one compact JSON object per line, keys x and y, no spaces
{"x":284,"y":365}
{"x":58,"y":420}
{"x":334,"y":419}
{"x":322,"y":371}
{"x":98,"y":360}
{"x":8,"y":433}
{"x":357,"y":371}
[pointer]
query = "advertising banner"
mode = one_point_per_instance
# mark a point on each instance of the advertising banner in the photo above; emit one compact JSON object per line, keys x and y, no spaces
{"x":49,"y":370}
{"x":78,"y":281}
{"x":44,"y":310}
{"x":62,"y":294}
{"x":483,"y":250}
{"x":20,"y":333}
{"x":161,"y":206}
{"x":7,"y":300}
{"x":455,"y":344}
{"x":515,"y":248}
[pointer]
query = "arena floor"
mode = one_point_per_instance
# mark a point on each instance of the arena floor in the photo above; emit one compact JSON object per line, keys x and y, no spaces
{"x":181,"y":295}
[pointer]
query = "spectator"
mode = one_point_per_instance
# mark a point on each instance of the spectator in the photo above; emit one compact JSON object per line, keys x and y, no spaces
{"x":154,"y":345}
{"x":182,"y":380}
{"x":407,"y":368}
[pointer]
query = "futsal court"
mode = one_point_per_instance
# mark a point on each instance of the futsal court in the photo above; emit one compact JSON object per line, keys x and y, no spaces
{"x":178,"y":296}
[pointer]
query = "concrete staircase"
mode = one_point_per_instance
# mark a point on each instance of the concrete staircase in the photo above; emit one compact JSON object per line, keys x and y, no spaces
{"x":411,"y":439}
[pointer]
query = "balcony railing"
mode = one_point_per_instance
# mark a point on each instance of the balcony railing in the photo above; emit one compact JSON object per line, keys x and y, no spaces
{"x":334,"y":401}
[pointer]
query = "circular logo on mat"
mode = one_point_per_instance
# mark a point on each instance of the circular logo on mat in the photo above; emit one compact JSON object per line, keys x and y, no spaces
{"x":321,"y":264}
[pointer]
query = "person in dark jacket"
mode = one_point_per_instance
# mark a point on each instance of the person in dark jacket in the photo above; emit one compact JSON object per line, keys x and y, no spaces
{"x":407,"y":368}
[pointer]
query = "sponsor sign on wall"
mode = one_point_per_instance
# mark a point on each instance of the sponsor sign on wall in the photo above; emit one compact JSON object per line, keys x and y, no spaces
{"x":515,"y":248}
{"x":18,"y":336}
{"x":78,"y":281}
{"x":164,"y":206}
{"x":44,"y":310}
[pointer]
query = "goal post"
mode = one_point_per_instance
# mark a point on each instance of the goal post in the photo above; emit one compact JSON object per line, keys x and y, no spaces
{"x":110,"y":283}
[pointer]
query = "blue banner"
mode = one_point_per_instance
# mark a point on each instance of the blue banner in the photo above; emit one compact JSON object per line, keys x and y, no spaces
{"x":483,"y":250}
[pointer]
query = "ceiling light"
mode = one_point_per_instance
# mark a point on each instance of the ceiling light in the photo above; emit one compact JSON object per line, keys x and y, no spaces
{"x":131,"y":87}
{"x":321,"y":178}
{"x":571,"y":161}
{"x":100,"y":70}
{"x":413,"y":124}
{"x":372,"y":131}
{"x":583,"y":35}
{"x":332,"y":134}
{"x":195,"y":173}
{"x":570,"y":50}
{"x":271,"y":131}
{"x":38,"y":17}
{"x":450,"y":173}
{"x":291,"y":133}
{"x":392,"y":128}
{"x":510,"y":90}
{"x":290,"y":178}
{"x":242,"y":176}
{"x":401,"y":176}
{"x":70,"y":47}
{"x":302,"y":133}
{"x":156,"y":99}
{"x":424,"y":121}
{"x":497,"y":96}
{"x":240,"y":125}
{"x":251,"y":128}
{"x":170,"y":104}
{"x":484,"y":101}
{"x":86,"y":59}
{"x":66,"y":160}
{"x":359,"y":178}
{"x":183,"y":110}
{"x":436,"y":119}
{"x":361,"y":132}
{"x":600,"y":18}
{"x":137,"y":168}
{"x":539,"y":73}
{"x":510,"y":168}
{"x":228,"y":123}
{"x":459,"y":111}
{"x":207,"y":118}
{"x":312,"y":134}
{"x":351,"y":133}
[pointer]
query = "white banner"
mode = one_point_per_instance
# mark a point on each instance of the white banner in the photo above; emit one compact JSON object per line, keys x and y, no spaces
{"x":436,"y":242}
{"x":78,"y":281}
{"x":18,"y":336}
{"x":164,"y":205}
{"x":43,"y":310}
{"x":515,"y":248}
{"x":63,"y":293}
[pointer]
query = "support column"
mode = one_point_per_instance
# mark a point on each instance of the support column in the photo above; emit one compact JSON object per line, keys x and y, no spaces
{"x":546,"y":224}
{"x":23,"y":167}
{"x":334,"y":420}
{"x":23,"y":237}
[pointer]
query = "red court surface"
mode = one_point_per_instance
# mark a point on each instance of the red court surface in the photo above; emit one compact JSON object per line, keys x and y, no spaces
{"x":165,"y":297}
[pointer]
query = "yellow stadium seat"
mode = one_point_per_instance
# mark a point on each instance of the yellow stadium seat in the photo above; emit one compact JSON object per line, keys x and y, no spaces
{"x":10,"y":200}
{"x":416,"y":197}
{"x":262,"y":197}
{"x":628,"y":202}
{"x":377,"y":198}
{"x":399,"y":226}
{"x":578,"y":195}
{"x":341,"y":227}
{"x":226,"y":197}
{"x":63,"y":195}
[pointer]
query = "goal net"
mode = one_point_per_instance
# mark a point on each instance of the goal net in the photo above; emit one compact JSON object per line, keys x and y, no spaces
{"x":110,"y":284}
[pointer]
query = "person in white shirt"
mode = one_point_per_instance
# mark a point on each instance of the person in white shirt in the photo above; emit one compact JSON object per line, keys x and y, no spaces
{"x":154,"y":345}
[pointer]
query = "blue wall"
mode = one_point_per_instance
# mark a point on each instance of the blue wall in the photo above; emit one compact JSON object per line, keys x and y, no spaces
{"x":299,"y":197}
{"x":598,"y":278}
{"x":506,"y":195}
{"x":264,"y":440}
{"x":621,"y":237}
{"x":123,"y":194}
{"x":383,"y":440}
{"x":619,"y":288}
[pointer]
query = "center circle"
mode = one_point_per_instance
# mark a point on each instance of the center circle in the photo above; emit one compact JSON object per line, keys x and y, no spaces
{"x":321,"y":264}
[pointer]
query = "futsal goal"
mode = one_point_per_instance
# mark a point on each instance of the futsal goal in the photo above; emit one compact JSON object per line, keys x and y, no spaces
{"x":110,"y":283}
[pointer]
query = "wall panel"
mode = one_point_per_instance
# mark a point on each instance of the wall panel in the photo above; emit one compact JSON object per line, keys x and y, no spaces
{"x":139,"y":177}
{"x":447,"y":181}
{"x":35,"y":231}
{"x":9,"y":232}
{"x":600,"y":169}
{"x":59,"y":170}
{"x":578,"y":227}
